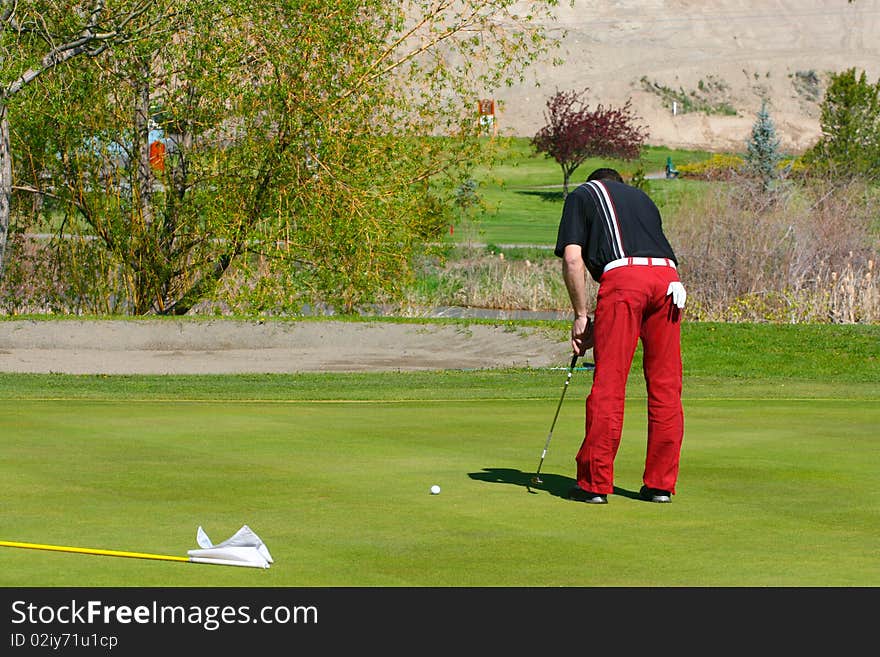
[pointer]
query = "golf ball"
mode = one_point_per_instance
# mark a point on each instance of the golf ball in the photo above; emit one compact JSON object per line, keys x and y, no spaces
{"x":435,"y":489}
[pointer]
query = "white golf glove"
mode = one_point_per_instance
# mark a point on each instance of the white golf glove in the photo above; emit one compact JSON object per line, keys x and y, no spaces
{"x":679,"y":296}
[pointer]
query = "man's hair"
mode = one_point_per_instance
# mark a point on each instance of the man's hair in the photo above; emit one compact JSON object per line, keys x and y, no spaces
{"x":605,"y":174}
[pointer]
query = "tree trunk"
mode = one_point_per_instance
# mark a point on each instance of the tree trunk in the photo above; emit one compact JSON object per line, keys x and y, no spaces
{"x":142,"y":144}
{"x":5,"y":184}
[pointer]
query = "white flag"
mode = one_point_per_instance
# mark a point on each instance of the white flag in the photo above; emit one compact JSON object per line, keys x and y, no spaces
{"x":244,"y":548}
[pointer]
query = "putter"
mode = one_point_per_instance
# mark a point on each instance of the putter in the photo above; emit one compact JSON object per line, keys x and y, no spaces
{"x":537,"y":478}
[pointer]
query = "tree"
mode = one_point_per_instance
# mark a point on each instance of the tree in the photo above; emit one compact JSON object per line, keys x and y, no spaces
{"x":850,"y":123}
{"x":574,"y":133}
{"x":38,"y":36}
{"x":137,"y":231}
{"x":762,"y":154}
{"x":314,"y":147}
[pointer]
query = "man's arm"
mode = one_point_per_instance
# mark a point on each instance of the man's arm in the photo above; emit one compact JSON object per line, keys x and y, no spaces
{"x":574,"y":273}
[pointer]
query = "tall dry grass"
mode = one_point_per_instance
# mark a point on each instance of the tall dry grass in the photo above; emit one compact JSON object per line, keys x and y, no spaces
{"x":478,"y":278}
{"x":806,"y":252}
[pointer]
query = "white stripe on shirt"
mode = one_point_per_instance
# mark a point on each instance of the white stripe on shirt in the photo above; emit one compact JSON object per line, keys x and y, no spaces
{"x":606,"y":206}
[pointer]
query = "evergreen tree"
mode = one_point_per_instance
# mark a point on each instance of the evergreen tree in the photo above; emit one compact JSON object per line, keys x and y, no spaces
{"x":763,"y":152}
{"x":850,"y":120}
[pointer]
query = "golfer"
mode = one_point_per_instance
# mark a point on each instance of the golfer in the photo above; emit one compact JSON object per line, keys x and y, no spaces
{"x":614,"y":232}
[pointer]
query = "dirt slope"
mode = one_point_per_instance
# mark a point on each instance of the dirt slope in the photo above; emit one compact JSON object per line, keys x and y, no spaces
{"x":732,"y":52}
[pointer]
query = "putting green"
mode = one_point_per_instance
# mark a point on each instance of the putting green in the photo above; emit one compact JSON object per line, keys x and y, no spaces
{"x":773,"y":491}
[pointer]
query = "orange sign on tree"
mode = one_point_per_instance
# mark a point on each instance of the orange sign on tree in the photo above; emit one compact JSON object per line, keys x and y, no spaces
{"x":157,"y":155}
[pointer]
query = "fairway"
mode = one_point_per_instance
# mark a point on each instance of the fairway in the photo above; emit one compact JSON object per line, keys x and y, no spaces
{"x":778,"y":487}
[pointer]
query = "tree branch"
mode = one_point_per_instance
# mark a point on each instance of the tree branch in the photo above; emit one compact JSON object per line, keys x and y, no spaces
{"x":374,"y":71}
{"x":92,"y":40}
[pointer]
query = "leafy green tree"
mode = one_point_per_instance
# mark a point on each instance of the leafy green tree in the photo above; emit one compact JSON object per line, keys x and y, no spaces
{"x":573,"y":132}
{"x":138,"y":230}
{"x":850,"y":122}
{"x":314,"y":147}
{"x":762,"y":153}
{"x":37,"y":36}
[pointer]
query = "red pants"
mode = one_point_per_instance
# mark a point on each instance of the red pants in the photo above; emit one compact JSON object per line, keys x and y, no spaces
{"x":632,"y":303}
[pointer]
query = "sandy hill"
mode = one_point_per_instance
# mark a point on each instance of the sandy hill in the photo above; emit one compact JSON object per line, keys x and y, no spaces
{"x":724,"y":56}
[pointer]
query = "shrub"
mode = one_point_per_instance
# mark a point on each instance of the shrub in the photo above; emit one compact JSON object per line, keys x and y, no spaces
{"x":806,"y":256}
{"x":721,"y":166}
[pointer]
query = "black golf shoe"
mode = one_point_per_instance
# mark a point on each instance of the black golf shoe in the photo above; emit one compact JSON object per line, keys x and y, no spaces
{"x":655,"y":495}
{"x":578,"y":494}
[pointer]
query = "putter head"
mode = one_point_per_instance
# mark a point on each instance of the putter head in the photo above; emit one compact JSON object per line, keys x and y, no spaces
{"x":537,"y":480}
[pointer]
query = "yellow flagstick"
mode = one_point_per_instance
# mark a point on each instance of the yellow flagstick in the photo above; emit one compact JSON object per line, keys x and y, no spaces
{"x":107,"y":553}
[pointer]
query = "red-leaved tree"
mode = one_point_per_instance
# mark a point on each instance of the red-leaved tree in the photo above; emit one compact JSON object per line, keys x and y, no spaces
{"x":574,"y":133}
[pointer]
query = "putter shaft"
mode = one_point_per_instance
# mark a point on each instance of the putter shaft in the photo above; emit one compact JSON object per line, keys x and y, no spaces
{"x":537,"y":478}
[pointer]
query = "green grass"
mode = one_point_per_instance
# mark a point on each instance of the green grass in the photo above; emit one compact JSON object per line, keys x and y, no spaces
{"x":522,"y":191}
{"x":778,"y":486}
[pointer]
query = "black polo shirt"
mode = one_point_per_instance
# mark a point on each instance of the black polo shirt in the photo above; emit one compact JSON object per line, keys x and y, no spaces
{"x":611,"y":220}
